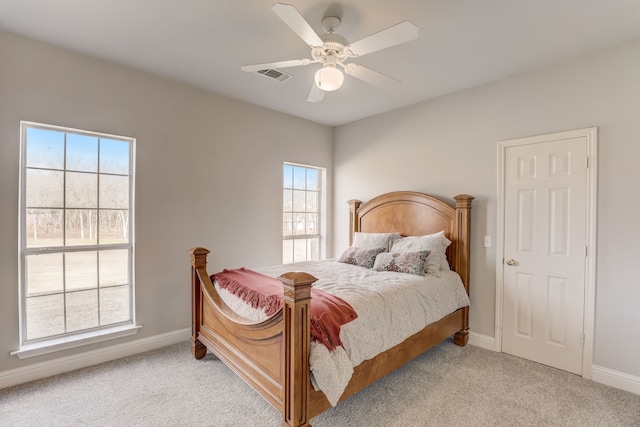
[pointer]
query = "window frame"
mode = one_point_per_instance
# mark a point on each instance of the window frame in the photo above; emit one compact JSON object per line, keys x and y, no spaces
{"x":321,"y":215}
{"x":69,"y":339}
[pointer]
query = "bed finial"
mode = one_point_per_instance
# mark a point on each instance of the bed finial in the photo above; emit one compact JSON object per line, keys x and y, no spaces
{"x":463,"y":201}
{"x":199,"y":257}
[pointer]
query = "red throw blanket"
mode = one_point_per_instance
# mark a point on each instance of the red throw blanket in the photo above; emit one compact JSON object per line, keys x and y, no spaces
{"x":328,"y":312}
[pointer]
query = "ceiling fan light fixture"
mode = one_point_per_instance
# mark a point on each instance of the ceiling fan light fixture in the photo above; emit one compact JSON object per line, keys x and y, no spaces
{"x":331,"y":49}
{"x":329,"y":78}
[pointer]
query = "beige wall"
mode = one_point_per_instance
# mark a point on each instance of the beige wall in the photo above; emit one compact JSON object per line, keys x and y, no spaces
{"x":208,"y":173}
{"x":448,"y":146}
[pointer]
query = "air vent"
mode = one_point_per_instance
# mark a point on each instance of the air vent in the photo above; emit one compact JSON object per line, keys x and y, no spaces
{"x":274,"y":74}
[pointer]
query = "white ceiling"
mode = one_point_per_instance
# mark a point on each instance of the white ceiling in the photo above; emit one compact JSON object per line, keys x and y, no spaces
{"x":461,"y":43}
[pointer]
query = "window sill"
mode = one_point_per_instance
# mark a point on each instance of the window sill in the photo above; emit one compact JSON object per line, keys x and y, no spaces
{"x":65,"y":343}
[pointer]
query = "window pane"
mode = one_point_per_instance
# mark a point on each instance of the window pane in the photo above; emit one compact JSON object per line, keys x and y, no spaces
{"x":44,"y":227}
{"x":114,"y":305}
{"x":114,"y":192}
{"x":114,"y":267}
{"x":299,"y":178}
{"x":287,"y":224}
{"x":299,"y":224}
{"x":81,"y":270}
{"x":114,"y":226}
{"x":114,"y":156}
{"x":82,"y":310}
{"x":312,"y":201}
{"x":299,"y":201}
{"x":45,"y":189}
{"x":311,"y":223}
{"x":45,"y":316}
{"x":288,"y":176}
{"x":287,"y":251}
{"x":45,"y":148}
{"x":81,"y":227}
{"x":82,"y":152}
{"x":312,"y":179}
{"x":44,"y":274}
{"x":287,"y":200}
{"x":81,"y":190}
{"x":299,"y":250}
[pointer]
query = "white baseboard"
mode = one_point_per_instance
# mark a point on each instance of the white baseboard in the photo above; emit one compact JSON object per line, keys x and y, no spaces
{"x":616,"y":379}
{"x":94,"y":357}
{"x":484,"y":341}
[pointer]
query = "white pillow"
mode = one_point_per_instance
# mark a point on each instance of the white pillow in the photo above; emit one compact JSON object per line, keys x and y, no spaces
{"x":374,"y":240}
{"x":444,"y":263}
{"x":436,"y":243}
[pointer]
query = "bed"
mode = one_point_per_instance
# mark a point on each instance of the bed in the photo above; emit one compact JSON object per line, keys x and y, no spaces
{"x":272,"y":355}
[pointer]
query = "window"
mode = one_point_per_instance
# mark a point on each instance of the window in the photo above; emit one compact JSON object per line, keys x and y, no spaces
{"x":302,"y":217}
{"x":76,"y":237}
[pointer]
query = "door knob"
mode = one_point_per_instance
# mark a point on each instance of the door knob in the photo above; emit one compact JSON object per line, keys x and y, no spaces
{"x":512,"y":262}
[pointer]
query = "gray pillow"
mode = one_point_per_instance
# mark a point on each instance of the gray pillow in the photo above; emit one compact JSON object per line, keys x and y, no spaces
{"x":360,"y":257}
{"x":402,"y":262}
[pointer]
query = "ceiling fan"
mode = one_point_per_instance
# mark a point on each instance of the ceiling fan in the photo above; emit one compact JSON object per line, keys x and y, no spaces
{"x":332,"y":50}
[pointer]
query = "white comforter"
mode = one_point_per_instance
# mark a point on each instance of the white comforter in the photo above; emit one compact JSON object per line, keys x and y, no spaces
{"x":390,"y":307}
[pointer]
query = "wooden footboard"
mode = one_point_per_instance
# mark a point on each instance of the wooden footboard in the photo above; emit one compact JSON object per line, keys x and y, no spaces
{"x":273,"y":356}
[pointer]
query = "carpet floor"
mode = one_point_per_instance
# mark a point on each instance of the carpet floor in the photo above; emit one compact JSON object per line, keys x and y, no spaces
{"x":447,"y":386}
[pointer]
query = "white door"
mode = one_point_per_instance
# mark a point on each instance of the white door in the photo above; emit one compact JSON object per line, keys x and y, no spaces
{"x":545,"y":252}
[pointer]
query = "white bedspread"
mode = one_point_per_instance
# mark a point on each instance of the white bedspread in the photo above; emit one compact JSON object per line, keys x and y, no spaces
{"x":390,"y":306}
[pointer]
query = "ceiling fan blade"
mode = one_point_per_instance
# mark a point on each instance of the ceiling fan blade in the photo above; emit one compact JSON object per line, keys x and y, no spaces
{"x":400,"y":33}
{"x":297,"y":23}
{"x":271,"y":65}
{"x":316,"y":94}
{"x":372,"y":77}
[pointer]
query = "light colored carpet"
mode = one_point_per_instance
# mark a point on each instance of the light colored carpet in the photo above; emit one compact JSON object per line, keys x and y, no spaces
{"x":447,"y":386}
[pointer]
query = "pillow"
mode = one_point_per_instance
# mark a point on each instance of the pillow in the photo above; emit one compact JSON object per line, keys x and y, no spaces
{"x":436,"y":243}
{"x":444,"y":263}
{"x":374,"y":240}
{"x":401,"y":262}
{"x":360,"y":256}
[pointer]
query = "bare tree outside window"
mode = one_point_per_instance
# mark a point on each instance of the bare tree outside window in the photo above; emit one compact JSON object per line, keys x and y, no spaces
{"x":76,"y":238}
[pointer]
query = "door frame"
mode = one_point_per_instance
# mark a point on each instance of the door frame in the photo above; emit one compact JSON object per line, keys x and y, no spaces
{"x":591,"y":135}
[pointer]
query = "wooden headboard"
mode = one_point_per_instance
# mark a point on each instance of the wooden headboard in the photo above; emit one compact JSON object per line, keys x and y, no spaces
{"x":416,"y":214}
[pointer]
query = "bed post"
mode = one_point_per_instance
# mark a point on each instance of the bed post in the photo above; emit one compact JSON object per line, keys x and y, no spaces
{"x":462,"y":235}
{"x":198,"y":260}
{"x":297,"y":347}
{"x":353,"y":218}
